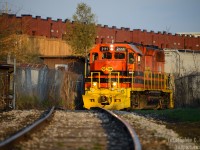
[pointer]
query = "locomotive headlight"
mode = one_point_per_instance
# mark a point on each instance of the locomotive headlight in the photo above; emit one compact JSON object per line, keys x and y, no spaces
{"x":114,"y":84}
{"x":94,"y":84}
{"x":111,"y":47}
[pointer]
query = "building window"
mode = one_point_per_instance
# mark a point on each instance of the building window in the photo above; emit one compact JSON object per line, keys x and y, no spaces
{"x":33,"y":33}
{"x":162,"y":45}
{"x":61,"y":67}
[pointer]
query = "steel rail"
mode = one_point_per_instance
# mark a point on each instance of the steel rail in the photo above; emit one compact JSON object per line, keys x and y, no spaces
{"x":135,"y":140}
{"x":26,"y":129}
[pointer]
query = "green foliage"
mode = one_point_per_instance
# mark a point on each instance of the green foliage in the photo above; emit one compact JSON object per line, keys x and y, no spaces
{"x":47,"y":104}
{"x":82,"y":32}
{"x":97,"y":146}
{"x":84,"y":14}
{"x":27,"y":102}
{"x":7,"y":40}
{"x":32,"y":102}
{"x":14,"y":44}
{"x":28,"y":50}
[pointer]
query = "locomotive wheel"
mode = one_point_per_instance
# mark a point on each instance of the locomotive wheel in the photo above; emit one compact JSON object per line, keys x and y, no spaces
{"x":138,"y":100}
{"x":142,"y":101}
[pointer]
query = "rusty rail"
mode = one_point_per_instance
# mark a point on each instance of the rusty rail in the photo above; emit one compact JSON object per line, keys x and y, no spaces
{"x":135,"y":143}
{"x":6,"y":143}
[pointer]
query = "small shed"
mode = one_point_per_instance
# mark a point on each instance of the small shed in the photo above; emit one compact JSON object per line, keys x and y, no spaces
{"x":70,"y":63}
{"x":6,"y":86}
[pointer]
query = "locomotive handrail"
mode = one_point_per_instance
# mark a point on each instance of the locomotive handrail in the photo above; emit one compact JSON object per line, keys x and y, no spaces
{"x":99,"y":85}
{"x":165,"y":82}
{"x":118,"y":83}
{"x":156,"y":81}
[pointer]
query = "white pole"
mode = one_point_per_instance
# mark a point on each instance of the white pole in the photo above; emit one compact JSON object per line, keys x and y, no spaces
{"x":14,"y":84}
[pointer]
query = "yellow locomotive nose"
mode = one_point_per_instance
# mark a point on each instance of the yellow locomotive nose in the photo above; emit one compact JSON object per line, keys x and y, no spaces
{"x":113,"y":98}
{"x":104,"y":100}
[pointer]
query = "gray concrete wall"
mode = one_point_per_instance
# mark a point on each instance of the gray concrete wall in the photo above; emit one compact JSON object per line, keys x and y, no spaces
{"x":184,"y":65}
{"x":187,"y":92}
{"x":182,"y":62}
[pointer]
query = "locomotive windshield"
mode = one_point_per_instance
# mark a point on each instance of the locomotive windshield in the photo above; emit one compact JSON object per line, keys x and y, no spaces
{"x":119,"y":55}
{"x":107,"y":55}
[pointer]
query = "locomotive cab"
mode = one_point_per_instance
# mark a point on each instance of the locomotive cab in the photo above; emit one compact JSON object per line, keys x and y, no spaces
{"x":107,"y":64}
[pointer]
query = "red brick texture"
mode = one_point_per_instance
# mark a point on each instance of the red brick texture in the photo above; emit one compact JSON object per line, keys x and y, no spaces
{"x":55,"y":29}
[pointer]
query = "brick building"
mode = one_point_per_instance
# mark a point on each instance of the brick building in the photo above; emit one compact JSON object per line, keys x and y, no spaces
{"x":56,"y":29}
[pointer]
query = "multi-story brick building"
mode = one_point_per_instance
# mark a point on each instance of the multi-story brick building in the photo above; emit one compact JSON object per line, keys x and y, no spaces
{"x":56,"y":29}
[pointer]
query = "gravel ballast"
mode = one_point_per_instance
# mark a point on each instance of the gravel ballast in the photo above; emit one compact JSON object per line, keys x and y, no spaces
{"x":156,"y":136}
{"x":12,"y":121}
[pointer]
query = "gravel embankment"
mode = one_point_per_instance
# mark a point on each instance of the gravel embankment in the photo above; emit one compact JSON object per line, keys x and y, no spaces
{"x":12,"y":121}
{"x":155,"y":136}
{"x":68,"y":130}
{"x":77,"y":130}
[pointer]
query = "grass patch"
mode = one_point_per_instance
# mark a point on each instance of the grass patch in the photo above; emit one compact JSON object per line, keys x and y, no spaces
{"x":173,"y":115}
{"x":32,"y":102}
{"x":27,"y":102}
{"x":97,"y":146}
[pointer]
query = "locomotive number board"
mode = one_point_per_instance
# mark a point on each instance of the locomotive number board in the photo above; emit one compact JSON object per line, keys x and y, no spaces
{"x":120,"y":49}
{"x":104,"y":48}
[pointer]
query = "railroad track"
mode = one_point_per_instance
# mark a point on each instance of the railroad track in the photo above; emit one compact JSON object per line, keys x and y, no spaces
{"x":93,"y":129}
{"x":133,"y":140}
{"x":8,"y":142}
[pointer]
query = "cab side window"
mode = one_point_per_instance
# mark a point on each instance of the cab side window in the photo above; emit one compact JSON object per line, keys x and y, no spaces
{"x":94,"y":56}
{"x":139,"y":59}
{"x":131,"y":58}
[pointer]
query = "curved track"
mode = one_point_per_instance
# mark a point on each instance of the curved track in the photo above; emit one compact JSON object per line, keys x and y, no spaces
{"x":7,"y":143}
{"x":133,"y":138}
{"x":93,"y":129}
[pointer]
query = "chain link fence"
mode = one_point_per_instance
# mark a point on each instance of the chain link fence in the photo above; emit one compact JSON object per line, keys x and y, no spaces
{"x":40,"y":85}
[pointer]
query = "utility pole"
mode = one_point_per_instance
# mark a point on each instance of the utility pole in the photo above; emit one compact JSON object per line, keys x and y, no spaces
{"x":14,"y":85}
{"x":4,"y":8}
{"x":6,"y":11}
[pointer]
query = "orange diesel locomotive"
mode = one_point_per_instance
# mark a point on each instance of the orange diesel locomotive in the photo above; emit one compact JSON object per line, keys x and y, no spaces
{"x":122,"y":76}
